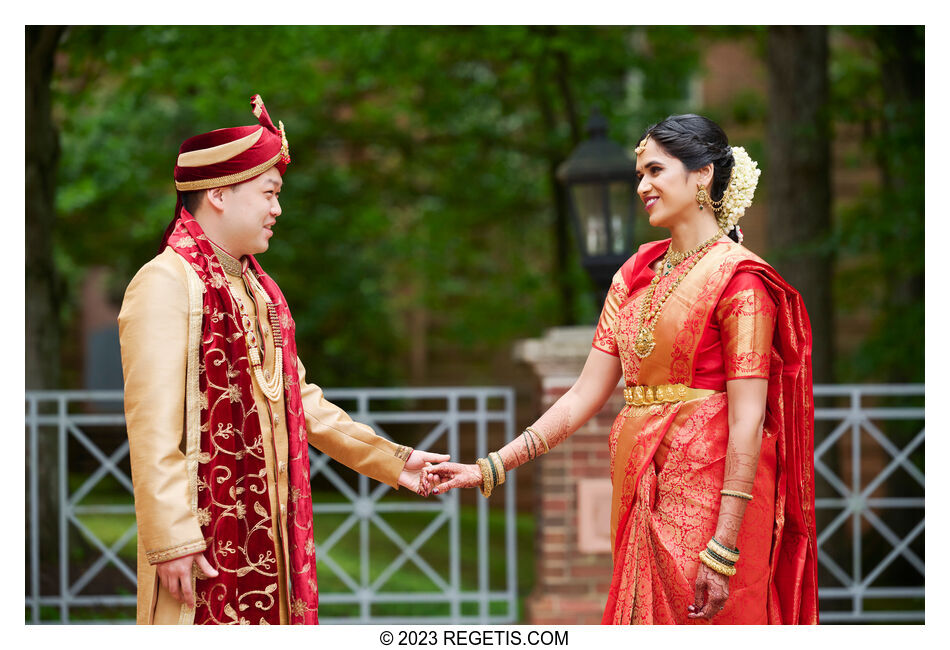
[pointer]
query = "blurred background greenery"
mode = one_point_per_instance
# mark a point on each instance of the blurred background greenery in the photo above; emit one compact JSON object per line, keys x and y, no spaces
{"x":423,"y":230}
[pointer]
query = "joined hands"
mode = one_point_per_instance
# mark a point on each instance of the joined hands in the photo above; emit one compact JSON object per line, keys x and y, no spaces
{"x":414,"y":475}
{"x":448,"y":476}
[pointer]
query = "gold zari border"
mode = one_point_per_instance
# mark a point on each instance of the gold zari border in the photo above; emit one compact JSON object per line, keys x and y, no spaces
{"x":230,"y":179}
{"x":402,"y":452}
{"x":174,"y":552}
{"x":192,"y":406}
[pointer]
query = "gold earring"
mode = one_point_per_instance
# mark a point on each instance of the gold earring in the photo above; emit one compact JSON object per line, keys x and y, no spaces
{"x":702,"y":197}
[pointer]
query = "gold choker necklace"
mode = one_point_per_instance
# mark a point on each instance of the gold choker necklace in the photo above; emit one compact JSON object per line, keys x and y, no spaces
{"x":673,"y":258}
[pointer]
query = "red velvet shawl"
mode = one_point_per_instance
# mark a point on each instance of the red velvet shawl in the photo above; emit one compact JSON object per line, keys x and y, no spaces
{"x":233,"y":504}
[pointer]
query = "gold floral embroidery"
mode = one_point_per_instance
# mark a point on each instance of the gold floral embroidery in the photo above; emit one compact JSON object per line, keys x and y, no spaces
{"x":299,"y":607}
{"x":605,"y":338}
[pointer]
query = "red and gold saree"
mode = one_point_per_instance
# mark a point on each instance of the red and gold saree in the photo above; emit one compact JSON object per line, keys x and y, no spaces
{"x":731,"y":317}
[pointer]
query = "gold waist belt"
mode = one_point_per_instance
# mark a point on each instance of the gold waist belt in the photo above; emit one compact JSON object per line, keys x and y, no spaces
{"x":645,"y":395}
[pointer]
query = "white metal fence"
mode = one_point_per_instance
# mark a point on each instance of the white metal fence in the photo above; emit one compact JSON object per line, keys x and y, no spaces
{"x":461,"y":591}
{"x":869,"y":473}
{"x":869,"y":487}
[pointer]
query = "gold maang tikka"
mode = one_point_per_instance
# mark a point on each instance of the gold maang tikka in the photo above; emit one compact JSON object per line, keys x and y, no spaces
{"x":643,"y":145}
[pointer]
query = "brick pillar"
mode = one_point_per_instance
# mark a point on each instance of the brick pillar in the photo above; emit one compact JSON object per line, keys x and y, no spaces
{"x":572,"y":486}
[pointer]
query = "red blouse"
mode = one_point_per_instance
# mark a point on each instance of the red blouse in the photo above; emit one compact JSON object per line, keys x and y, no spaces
{"x":736,"y":343}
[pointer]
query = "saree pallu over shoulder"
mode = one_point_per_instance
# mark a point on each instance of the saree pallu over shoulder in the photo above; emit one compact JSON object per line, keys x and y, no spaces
{"x":663,"y":514}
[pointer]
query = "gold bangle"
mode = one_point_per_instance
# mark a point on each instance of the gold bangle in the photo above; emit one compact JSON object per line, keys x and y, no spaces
{"x":718,"y":558}
{"x":736,"y":494}
{"x":541,"y":438}
{"x":499,"y":466}
{"x":486,"y":477}
{"x":718,"y":567}
{"x":715,"y":546}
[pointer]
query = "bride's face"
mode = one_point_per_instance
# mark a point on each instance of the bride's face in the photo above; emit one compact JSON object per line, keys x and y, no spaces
{"x":665,"y":186}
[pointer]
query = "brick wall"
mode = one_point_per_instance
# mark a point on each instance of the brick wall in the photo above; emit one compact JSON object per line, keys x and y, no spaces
{"x":571,"y":581}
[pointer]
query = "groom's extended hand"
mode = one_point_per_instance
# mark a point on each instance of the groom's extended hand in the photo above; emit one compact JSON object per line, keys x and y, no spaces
{"x":414,"y":476}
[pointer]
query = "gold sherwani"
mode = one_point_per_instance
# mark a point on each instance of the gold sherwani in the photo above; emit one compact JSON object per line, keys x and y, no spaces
{"x":159,"y":336}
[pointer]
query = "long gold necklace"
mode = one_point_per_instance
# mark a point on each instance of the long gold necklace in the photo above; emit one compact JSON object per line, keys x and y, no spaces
{"x":274,"y":388}
{"x":644,"y":343}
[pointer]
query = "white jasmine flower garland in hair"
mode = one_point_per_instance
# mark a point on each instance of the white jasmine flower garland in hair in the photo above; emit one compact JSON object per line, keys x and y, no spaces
{"x":739,"y":193}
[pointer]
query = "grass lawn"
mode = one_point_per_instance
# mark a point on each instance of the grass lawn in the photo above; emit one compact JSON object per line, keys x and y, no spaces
{"x":345,"y":553}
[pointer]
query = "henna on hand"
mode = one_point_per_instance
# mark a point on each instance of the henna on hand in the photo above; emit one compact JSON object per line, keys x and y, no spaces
{"x":710,"y":594}
{"x":448,"y":476}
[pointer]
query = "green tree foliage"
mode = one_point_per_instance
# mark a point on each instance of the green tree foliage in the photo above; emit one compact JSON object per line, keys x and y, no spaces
{"x":418,"y":209}
{"x":878,"y":90}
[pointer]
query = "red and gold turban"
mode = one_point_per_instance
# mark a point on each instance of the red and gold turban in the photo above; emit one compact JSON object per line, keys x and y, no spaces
{"x":228,"y":156}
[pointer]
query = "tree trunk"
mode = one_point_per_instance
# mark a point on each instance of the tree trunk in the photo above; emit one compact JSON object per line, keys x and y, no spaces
{"x":42,"y":154}
{"x":560,"y":230}
{"x":799,"y":182}
{"x":42,"y":286}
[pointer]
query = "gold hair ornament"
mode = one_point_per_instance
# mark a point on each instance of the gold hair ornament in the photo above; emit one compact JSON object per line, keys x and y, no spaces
{"x":642,"y":146}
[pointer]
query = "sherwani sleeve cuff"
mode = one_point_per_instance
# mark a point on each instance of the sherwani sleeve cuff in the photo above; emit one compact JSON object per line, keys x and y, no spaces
{"x":188,"y":548}
{"x":356,"y":445}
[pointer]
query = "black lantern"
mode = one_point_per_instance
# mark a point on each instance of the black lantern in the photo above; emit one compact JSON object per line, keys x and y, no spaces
{"x":601,"y":181}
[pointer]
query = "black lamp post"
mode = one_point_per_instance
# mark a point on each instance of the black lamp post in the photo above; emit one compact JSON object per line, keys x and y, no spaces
{"x":601,"y":181}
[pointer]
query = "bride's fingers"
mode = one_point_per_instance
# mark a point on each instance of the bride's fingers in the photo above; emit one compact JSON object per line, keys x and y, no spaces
{"x":445,"y":467}
{"x":451,"y":484}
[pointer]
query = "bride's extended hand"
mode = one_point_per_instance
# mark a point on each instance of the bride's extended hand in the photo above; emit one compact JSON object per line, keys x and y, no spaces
{"x":448,"y":476}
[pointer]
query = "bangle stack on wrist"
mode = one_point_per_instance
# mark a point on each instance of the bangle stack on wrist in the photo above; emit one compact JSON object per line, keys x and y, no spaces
{"x":493,"y":472}
{"x":487,"y":483}
{"x":531,"y":439}
{"x":719,"y":557}
{"x":493,"y":469}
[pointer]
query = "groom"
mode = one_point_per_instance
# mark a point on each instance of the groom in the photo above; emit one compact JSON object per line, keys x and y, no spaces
{"x":218,"y":408}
